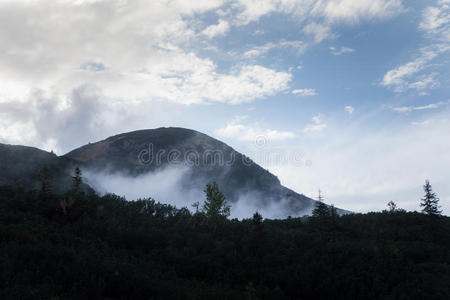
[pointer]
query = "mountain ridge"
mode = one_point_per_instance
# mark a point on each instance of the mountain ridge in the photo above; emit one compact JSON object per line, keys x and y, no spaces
{"x":205,"y":158}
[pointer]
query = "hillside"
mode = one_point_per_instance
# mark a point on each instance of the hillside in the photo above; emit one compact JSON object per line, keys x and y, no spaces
{"x":22,"y":166}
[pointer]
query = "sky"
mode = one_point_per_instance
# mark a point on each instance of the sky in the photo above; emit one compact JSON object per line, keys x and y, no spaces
{"x":350,"y":97}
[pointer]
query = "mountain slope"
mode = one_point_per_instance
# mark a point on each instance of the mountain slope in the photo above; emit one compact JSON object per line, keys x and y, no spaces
{"x":144,"y":151}
{"x":21,"y":165}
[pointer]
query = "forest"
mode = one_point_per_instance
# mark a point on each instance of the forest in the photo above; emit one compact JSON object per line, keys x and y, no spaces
{"x":80,"y":245}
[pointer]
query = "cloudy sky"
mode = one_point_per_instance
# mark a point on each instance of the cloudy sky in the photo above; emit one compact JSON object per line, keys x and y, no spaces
{"x":352,"y":97}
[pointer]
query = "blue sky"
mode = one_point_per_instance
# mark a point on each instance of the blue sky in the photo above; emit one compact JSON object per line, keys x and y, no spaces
{"x":357,"y":91}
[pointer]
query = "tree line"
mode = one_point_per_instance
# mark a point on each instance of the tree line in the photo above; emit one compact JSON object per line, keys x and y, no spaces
{"x":80,"y":245}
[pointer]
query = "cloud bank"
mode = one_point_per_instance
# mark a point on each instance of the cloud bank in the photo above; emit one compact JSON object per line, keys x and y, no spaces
{"x":172,"y":185}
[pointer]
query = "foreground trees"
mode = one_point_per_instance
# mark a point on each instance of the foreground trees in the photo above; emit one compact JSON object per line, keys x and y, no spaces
{"x":110,"y":248}
{"x":430,"y":202}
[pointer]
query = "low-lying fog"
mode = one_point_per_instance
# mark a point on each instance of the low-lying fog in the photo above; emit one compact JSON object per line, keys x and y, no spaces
{"x":169,"y":186}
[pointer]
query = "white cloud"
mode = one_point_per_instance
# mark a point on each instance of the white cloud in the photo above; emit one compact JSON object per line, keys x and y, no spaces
{"x":299,"y":46}
{"x":54,"y":123}
{"x":140,"y":50}
{"x":398,"y":78}
{"x":436,"y":25}
{"x":44,"y":122}
{"x":253,"y":133}
{"x":436,"y":21}
{"x":349,"y":109}
{"x":204,"y":84}
{"x":331,"y":10}
{"x":355,"y":11}
{"x":130,"y":50}
{"x":320,"y":32}
{"x":219,"y":29}
{"x":341,"y":51}
{"x":424,"y":82}
{"x":305,"y":92}
{"x":251,"y":10}
{"x":319,"y":16}
{"x":316,"y":126}
{"x":420,"y":123}
{"x":405,"y":109}
{"x":60,"y":123}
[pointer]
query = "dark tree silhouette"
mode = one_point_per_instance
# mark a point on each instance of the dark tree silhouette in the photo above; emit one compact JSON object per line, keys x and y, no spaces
{"x":392,"y":207}
{"x":430,"y":202}
{"x":215,"y":205}
{"x":257,"y":218}
{"x":321,"y":210}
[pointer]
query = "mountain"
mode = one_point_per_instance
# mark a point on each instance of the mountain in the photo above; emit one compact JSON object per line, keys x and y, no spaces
{"x":194,"y":158}
{"x":22,"y":166}
{"x":145,"y":151}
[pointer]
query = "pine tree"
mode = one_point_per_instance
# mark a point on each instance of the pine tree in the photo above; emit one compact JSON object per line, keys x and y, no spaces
{"x":215,"y":205}
{"x":430,"y":202}
{"x":321,"y":210}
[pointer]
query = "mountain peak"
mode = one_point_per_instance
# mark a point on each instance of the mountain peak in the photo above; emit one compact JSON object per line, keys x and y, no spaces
{"x":141,"y":152}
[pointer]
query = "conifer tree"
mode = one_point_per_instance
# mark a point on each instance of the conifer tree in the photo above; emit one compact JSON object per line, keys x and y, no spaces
{"x":321,"y":210}
{"x":215,"y":205}
{"x":430,"y":202}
